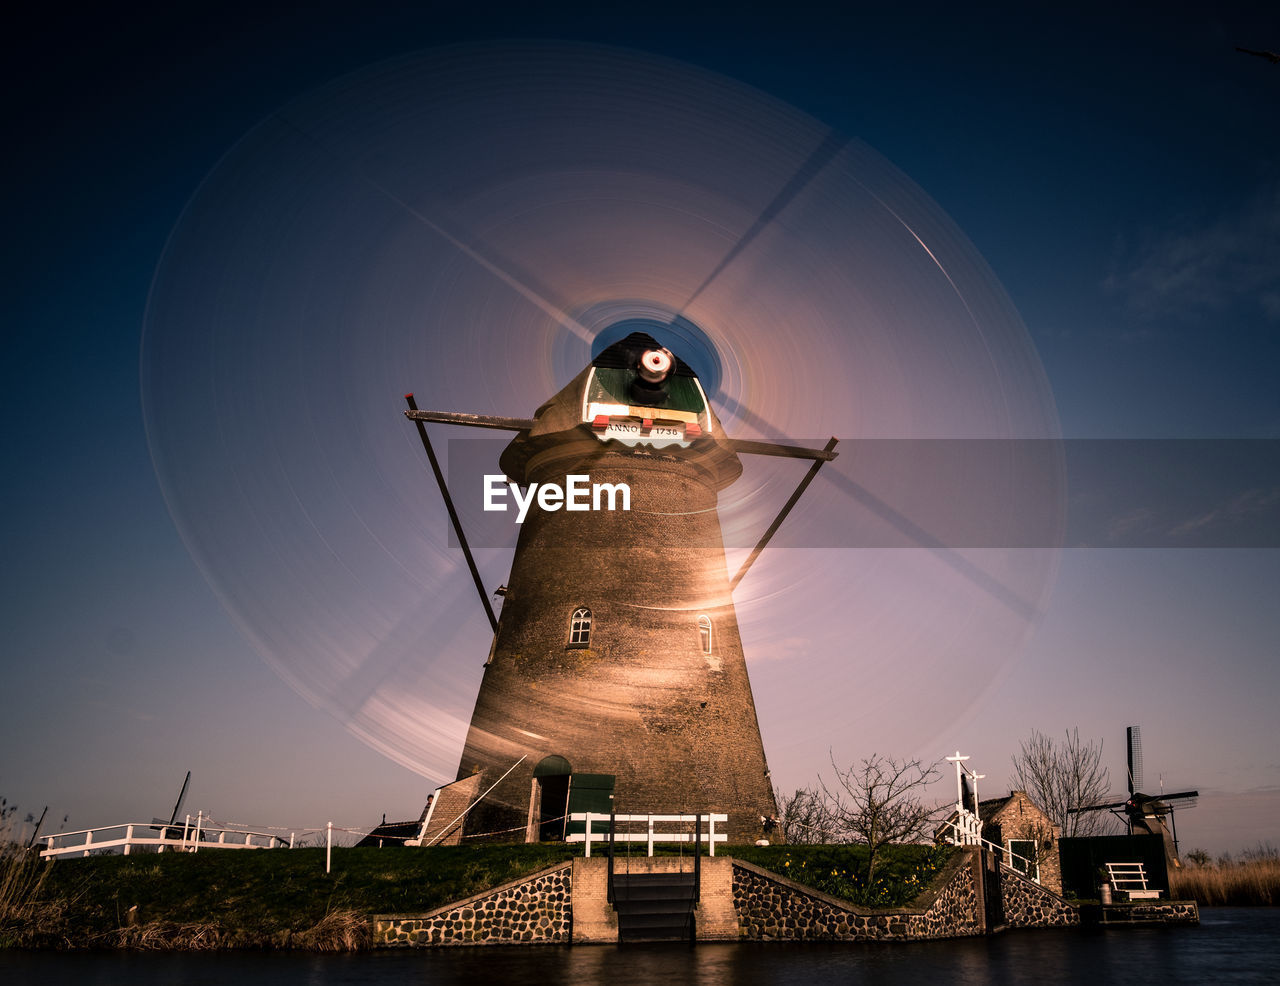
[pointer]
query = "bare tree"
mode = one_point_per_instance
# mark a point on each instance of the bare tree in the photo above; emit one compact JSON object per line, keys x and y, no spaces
{"x":1058,"y":776}
{"x":804,"y":817}
{"x":879,"y":803}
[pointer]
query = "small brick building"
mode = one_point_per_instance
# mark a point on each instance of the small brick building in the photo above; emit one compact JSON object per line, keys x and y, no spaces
{"x":1027,"y":835}
{"x":1021,"y":827}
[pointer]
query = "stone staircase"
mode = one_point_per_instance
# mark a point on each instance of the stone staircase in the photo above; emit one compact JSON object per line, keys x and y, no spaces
{"x":654,"y":906}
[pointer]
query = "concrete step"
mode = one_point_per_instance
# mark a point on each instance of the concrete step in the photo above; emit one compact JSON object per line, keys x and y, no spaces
{"x":653,"y":893}
{"x":654,"y":906}
{"x":654,"y":928}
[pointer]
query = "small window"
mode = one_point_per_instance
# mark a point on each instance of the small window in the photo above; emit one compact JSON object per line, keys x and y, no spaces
{"x":580,"y":627}
{"x":704,"y":633}
{"x":1022,"y":857}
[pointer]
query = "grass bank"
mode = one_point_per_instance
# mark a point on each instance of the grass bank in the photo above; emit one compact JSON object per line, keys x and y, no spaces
{"x":1247,"y":883}
{"x":284,"y":899}
{"x":255,"y":899}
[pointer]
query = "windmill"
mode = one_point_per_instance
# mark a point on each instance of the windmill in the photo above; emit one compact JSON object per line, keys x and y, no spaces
{"x":617,"y":678}
{"x":1146,"y":814}
{"x":489,"y":230}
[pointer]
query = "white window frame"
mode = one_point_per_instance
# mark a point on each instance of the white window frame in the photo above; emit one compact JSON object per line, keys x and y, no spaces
{"x":1034,"y":857}
{"x":580,"y":627}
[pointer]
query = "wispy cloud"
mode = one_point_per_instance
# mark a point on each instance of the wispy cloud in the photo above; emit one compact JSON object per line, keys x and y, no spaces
{"x":1135,"y":522}
{"x":1242,"y":507}
{"x":1197,"y":268}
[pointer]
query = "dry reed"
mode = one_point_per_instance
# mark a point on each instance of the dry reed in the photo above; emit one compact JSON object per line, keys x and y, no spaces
{"x":337,"y":931}
{"x":1254,"y":882}
{"x":22,"y":878}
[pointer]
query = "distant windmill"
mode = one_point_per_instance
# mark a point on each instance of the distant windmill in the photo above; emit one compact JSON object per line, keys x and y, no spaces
{"x":1146,"y":814}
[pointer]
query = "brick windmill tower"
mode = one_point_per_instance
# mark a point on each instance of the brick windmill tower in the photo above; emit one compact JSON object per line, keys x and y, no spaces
{"x":617,"y":677}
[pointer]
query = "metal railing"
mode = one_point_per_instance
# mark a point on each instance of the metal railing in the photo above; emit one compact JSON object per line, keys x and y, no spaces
{"x":964,"y":836}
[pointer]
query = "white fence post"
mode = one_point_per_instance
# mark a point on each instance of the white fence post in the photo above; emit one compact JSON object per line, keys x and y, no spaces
{"x":650,"y":820}
{"x":328,"y":847}
{"x":128,"y":839}
{"x":711,"y":831}
{"x":88,"y":841}
{"x":588,"y":834}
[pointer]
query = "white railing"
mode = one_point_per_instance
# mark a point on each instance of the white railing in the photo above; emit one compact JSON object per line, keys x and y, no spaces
{"x":967,"y":829}
{"x":961,"y":835}
{"x":650,"y":835}
{"x":195,"y":834}
{"x":1131,"y":879}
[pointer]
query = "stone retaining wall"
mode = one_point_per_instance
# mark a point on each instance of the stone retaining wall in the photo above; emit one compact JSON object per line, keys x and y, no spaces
{"x":771,"y":907}
{"x":1027,"y":904}
{"x":538,"y":909}
{"x":532,"y":910}
{"x":1151,"y":912}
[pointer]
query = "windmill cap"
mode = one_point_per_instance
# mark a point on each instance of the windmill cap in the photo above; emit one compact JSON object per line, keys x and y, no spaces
{"x":630,"y":353}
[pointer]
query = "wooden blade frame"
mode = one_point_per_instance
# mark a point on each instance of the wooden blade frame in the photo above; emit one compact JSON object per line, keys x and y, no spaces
{"x":497,"y":422}
{"x":420,"y":421}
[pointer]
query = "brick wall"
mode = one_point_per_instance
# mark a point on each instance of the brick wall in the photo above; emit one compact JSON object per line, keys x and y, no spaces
{"x":675,"y":726}
{"x":1021,"y":818}
{"x":444,"y":826}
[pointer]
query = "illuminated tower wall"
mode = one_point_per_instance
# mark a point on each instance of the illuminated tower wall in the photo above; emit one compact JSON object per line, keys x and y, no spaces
{"x":617,"y":663}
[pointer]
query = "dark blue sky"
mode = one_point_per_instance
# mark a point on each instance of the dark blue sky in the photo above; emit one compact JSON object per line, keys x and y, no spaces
{"x":1120,"y":172}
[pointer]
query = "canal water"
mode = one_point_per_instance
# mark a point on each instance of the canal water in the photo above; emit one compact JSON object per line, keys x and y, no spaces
{"x":1231,"y":945}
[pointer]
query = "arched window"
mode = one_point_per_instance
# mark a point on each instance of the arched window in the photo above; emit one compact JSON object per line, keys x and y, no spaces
{"x":580,"y":627}
{"x":704,"y":633}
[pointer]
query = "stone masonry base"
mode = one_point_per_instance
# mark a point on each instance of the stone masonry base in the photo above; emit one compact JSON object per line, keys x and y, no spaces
{"x":738,"y":901}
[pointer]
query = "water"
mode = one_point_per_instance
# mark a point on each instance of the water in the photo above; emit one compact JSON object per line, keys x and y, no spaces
{"x":1232,"y":945}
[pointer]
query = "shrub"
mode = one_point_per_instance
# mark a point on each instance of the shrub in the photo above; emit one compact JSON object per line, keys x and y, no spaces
{"x":903,"y":873}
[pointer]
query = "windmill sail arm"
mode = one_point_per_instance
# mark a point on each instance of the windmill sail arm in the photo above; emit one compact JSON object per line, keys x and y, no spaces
{"x":494,"y":421}
{"x":501,"y":423}
{"x":1180,"y":794}
{"x":786,"y":451}
{"x":1107,"y":807}
{"x":782,"y":514}
{"x":448,"y":502}
{"x":181,"y":797}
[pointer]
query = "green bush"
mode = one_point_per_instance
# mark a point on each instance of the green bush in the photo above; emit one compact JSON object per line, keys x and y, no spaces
{"x":902,"y":872}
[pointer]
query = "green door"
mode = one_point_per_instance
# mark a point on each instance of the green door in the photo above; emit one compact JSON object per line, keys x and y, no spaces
{"x":590,"y":792}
